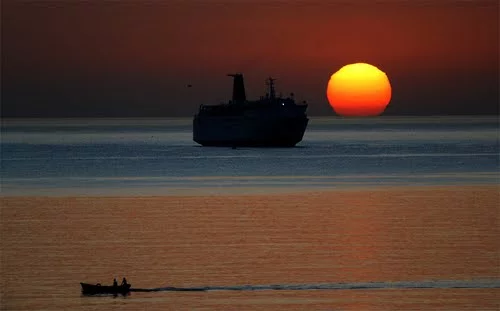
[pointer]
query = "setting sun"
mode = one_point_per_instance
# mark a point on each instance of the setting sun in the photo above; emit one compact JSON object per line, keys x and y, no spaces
{"x":359,"y":90}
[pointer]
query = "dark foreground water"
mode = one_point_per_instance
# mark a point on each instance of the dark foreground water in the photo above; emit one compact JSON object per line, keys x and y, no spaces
{"x":370,"y":214}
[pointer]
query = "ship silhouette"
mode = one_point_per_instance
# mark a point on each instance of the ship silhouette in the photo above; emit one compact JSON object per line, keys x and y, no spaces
{"x":271,"y":121}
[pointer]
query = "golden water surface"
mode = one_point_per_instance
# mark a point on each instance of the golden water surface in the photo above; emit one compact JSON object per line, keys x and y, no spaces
{"x":50,"y":244}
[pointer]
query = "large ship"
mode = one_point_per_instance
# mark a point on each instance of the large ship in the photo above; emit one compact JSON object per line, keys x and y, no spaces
{"x":271,"y":121}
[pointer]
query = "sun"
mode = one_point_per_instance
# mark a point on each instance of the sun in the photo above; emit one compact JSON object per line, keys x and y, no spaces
{"x":359,"y":90}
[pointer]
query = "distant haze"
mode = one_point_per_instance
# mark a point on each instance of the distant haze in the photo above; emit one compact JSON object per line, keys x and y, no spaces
{"x":136,"y":58}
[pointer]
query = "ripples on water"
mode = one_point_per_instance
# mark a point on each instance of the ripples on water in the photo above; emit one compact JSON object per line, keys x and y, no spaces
{"x":83,"y":157}
{"x":386,"y":247}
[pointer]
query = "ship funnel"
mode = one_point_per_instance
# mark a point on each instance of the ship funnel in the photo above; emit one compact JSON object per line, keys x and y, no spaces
{"x":238,"y":88}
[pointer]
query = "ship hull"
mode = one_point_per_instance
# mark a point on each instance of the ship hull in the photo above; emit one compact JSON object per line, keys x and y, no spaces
{"x":245,"y":131}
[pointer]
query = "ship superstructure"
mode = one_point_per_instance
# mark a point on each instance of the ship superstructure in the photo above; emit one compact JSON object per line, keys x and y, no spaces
{"x":271,"y":121}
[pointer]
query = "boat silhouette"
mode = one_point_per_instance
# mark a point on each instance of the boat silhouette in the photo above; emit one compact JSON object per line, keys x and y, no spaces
{"x":98,"y":289}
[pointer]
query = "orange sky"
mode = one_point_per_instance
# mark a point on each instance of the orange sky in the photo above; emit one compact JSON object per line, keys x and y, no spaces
{"x":156,"y":47}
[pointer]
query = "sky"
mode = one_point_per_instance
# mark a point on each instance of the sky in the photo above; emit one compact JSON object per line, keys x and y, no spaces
{"x":135,"y":58}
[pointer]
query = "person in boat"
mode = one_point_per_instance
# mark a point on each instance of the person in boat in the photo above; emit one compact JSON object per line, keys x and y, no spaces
{"x":124,"y":282}
{"x":115,"y":283}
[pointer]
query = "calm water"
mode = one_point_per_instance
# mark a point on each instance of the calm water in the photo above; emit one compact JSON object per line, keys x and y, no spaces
{"x":411,"y":223}
{"x":137,"y":157}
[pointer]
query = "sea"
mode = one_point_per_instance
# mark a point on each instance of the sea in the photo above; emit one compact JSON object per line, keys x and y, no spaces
{"x":385,"y":213}
{"x":159,"y":157}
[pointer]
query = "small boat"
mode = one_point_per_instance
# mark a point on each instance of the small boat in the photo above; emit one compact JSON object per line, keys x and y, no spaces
{"x":95,"y":289}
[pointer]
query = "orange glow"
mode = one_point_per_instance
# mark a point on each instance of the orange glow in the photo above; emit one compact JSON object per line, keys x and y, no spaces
{"x":359,"y":90}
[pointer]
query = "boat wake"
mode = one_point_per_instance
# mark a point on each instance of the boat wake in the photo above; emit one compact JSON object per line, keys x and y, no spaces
{"x":334,"y":286}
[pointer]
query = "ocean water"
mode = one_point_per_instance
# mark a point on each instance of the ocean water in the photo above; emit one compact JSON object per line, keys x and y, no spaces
{"x":364,"y":214}
{"x":155,"y":157}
